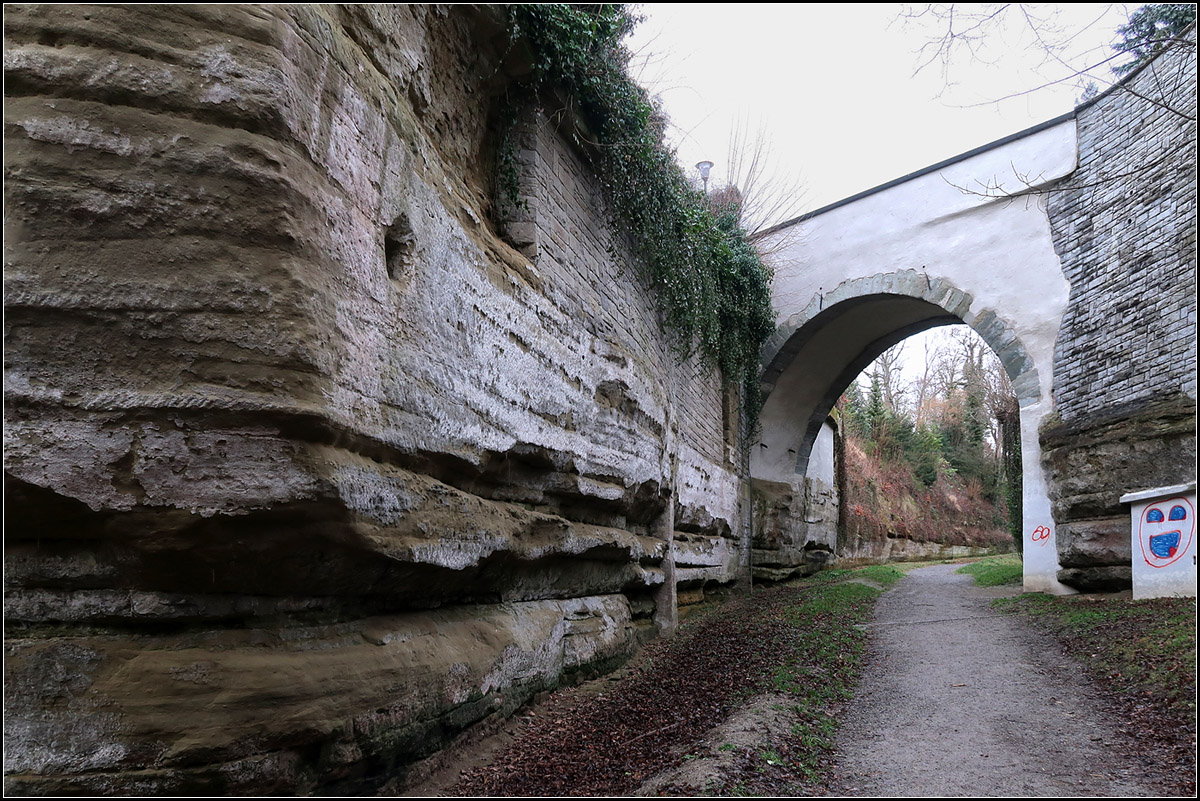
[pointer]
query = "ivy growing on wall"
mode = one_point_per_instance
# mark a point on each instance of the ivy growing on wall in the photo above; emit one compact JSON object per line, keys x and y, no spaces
{"x":712,"y":286}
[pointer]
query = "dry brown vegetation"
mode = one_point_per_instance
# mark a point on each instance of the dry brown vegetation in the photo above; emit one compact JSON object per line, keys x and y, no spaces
{"x":883,"y":500}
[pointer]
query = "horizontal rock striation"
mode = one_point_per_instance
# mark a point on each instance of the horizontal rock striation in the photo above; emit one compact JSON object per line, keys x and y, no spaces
{"x":785,"y":543}
{"x":1094,"y":460}
{"x":307,"y":465}
{"x":182,"y":712}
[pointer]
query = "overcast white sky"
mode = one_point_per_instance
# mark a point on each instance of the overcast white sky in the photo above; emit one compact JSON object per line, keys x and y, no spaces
{"x":834,"y":90}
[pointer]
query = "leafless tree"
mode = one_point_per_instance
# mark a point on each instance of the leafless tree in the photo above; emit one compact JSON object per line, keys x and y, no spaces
{"x":923,"y":384}
{"x":962,"y":360}
{"x":971,"y":31}
{"x":890,"y":369}
{"x":1000,"y":400}
{"x":769,"y":197}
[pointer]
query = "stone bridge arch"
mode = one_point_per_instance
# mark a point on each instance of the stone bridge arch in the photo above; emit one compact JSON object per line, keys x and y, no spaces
{"x":923,"y":251}
{"x":863,"y":317}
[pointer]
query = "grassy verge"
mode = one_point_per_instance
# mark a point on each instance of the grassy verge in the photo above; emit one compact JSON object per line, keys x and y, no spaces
{"x":1144,"y":654}
{"x":993,"y":571}
{"x":821,"y":650}
{"x":883,"y":575}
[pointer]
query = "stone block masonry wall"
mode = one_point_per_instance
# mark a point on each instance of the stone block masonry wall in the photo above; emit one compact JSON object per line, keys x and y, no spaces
{"x":306,"y":468}
{"x":1125,"y":229}
{"x":560,"y":228}
{"x":1124,"y":226}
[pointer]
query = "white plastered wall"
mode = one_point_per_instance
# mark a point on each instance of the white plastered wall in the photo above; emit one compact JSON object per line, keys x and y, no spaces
{"x":955,"y":226}
{"x":821,"y":464}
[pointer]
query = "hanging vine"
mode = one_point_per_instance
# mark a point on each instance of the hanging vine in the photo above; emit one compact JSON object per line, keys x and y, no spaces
{"x":713,"y":288}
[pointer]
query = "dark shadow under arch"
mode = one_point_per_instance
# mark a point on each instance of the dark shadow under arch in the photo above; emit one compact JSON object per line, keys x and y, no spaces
{"x":840,"y":333}
{"x":852,"y":370}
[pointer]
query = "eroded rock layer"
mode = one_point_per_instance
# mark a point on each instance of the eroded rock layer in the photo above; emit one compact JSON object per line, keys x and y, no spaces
{"x":309,"y":462}
{"x":1092,"y":461}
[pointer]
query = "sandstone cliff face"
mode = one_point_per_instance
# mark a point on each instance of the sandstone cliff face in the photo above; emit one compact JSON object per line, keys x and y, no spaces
{"x":307,"y":468}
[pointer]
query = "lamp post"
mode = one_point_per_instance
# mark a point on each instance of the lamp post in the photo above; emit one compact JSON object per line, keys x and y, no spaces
{"x":704,"y":167}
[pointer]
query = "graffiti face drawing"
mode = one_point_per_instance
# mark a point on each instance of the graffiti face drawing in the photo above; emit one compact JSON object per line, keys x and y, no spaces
{"x":1166,"y":531}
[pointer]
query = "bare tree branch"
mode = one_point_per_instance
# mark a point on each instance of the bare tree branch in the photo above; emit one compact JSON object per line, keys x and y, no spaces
{"x":766,"y":196}
{"x":969,"y":28}
{"x":995,"y":190}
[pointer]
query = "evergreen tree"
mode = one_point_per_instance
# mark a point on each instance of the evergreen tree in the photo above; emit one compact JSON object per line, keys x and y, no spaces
{"x":875,"y":409}
{"x":854,"y":411}
{"x":1151,"y":29}
{"x":924,"y":453}
{"x":1010,"y":436}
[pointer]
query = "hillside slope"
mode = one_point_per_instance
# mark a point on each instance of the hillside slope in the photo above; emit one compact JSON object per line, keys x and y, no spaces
{"x":884,"y":501}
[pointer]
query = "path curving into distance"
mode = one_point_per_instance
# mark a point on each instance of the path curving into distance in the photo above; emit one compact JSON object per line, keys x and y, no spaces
{"x":963,"y":701}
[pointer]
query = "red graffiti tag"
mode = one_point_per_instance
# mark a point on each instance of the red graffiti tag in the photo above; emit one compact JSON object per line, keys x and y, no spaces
{"x":1041,"y":535}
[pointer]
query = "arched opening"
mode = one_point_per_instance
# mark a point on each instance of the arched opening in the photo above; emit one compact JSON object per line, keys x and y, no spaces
{"x":931,"y":452}
{"x":819,"y":351}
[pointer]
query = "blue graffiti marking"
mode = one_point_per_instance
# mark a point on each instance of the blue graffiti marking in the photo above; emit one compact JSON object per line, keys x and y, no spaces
{"x":1178,"y":513}
{"x":1164,"y":545}
{"x":1154,"y":516}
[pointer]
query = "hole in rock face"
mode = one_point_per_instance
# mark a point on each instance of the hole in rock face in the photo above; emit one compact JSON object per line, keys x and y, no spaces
{"x":399,"y":248}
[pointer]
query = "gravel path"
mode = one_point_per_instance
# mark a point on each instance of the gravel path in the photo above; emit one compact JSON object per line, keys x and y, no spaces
{"x":961,"y":701}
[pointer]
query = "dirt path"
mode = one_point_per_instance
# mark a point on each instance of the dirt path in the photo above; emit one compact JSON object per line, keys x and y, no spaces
{"x":956,"y":700}
{"x":962,"y":701}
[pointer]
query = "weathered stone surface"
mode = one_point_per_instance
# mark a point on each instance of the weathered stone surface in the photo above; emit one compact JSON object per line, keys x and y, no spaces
{"x":311,"y":461}
{"x":780,"y":528}
{"x":1124,"y":227}
{"x":347,"y":700}
{"x":703,"y":560}
{"x":1109,"y":578}
{"x":822,"y":510}
{"x":1094,"y":460}
{"x":795,"y":530}
{"x":1085,"y":543}
{"x":430,"y":544}
{"x":773,"y":501}
{"x":272,"y":372}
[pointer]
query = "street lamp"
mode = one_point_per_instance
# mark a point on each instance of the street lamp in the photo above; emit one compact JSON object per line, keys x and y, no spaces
{"x":704,"y":167}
